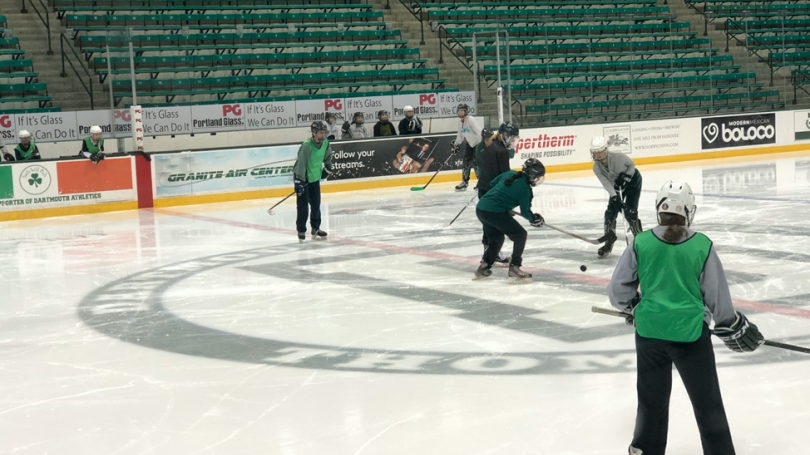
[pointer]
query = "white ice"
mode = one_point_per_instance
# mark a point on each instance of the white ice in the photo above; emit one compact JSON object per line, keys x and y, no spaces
{"x":210,"y":330}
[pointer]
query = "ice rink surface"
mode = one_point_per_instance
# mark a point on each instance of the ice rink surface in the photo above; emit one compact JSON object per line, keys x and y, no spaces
{"x":210,"y":330}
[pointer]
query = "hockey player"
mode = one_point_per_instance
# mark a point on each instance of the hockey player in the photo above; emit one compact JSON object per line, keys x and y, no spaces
{"x":682,"y":288}
{"x":384,"y":127}
{"x":509,"y":190}
{"x":469,"y":135}
{"x":25,"y":150}
{"x":357,"y":129}
{"x":491,"y":160}
{"x":410,"y":125}
{"x":335,"y":132}
{"x":314,"y":163}
{"x":93,"y":146}
{"x":622,"y":180}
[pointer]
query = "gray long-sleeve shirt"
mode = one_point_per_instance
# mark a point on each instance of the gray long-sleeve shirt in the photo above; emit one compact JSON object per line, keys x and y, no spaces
{"x":623,"y":287}
{"x":617,"y":163}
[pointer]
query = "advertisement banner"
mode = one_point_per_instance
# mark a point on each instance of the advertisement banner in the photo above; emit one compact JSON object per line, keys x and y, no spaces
{"x":135,"y":114}
{"x":262,"y":116}
{"x":370,"y":107}
{"x":50,"y":127}
{"x":425,"y":105}
{"x":187,"y":173}
{"x":801,"y":125}
{"x":212,"y":118}
{"x":387,"y":157}
{"x":8,"y":130}
{"x":448,"y":103}
{"x":167,"y":120}
{"x":307,"y":111}
{"x":738,"y":131}
{"x":33,"y":185}
{"x":86,"y":119}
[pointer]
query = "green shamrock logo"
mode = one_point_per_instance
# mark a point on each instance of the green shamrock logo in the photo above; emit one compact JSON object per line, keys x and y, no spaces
{"x":35,"y":180}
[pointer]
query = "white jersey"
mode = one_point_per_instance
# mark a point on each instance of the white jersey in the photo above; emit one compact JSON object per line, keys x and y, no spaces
{"x":335,"y":130}
{"x":359,"y":131}
{"x":468,"y":130}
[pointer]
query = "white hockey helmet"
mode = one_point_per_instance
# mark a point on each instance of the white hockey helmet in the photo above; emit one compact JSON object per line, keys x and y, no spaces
{"x":598,"y":145}
{"x":676,"y":198}
{"x":95,"y":129}
{"x":23,"y":133}
{"x":407,"y":109}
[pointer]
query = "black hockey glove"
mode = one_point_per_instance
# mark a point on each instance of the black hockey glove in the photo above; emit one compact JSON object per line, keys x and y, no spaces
{"x":326,"y":172}
{"x":621,"y":182}
{"x":8,"y":157}
{"x":615,"y":204}
{"x":538,"y":220}
{"x":455,"y":147}
{"x":300,"y":185}
{"x":629,"y":317}
{"x":346,"y":128}
{"x":742,"y":336}
{"x":96,"y":157}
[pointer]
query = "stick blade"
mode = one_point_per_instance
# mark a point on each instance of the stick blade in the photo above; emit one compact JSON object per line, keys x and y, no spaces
{"x":271,"y":212}
{"x":417,"y":188}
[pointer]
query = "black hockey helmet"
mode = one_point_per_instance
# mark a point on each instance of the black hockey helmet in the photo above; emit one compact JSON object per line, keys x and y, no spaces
{"x":382,"y":114}
{"x":534,"y":169}
{"x":318,"y":125}
{"x":329,"y":115}
{"x":508,"y":129}
{"x":463,"y":107}
{"x":358,"y":115}
{"x":486,"y":133}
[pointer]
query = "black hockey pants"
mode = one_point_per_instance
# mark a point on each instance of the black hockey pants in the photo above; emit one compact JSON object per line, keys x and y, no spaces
{"x":311,"y":199}
{"x":498,"y":225}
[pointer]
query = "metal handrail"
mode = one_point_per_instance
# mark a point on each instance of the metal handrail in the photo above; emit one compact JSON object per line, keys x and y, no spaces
{"x":46,"y":21}
{"x":87,"y":87}
{"x":417,"y":14}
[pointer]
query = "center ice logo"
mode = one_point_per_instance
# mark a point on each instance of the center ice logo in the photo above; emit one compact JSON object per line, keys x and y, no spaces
{"x":35,"y":180}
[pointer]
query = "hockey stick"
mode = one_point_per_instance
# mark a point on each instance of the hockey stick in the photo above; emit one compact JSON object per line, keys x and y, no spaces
{"x":624,"y":217}
{"x":773,"y":344}
{"x":421,"y":188}
{"x":270,"y":210}
{"x":592,"y":242}
{"x":462,"y":210}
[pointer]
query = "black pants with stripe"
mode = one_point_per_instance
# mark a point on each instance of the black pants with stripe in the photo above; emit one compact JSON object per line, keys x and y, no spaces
{"x":696,"y":366}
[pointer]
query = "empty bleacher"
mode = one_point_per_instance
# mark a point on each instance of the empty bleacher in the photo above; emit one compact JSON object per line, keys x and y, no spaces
{"x":775,"y":32}
{"x":601,"y":60}
{"x":201,"y":51}
{"x":19,"y":89}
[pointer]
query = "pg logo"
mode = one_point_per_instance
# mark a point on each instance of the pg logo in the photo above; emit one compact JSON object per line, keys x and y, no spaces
{"x":122,"y":114}
{"x":335,"y":105}
{"x":234,"y":109}
{"x":427,"y":99}
{"x":5,"y":121}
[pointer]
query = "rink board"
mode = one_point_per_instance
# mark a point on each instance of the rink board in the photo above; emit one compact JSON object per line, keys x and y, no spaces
{"x":185,"y":178}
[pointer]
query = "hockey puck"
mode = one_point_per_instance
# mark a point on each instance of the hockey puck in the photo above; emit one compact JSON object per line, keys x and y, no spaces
{"x":583,"y":268}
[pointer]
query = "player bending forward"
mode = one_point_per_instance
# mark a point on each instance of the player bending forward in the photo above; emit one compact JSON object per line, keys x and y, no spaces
{"x":619,"y":176}
{"x":314,"y":163}
{"x":683,"y":287}
{"x":93,"y":145}
{"x":509,"y":190}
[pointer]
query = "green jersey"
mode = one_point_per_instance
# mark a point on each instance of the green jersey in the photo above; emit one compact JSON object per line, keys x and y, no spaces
{"x":671,"y":306}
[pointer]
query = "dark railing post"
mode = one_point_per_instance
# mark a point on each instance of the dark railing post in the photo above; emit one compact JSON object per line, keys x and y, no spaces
{"x":62,"y":51}
{"x":22,"y":8}
{"x":441,"y":53}
{"x":421,"y":27}
{"x":48,"y":26}
{"x":728,"y":34}
{"x":90,"y":84}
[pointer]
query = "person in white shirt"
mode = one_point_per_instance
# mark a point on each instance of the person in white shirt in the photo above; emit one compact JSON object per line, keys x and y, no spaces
{"x":469,"y":135}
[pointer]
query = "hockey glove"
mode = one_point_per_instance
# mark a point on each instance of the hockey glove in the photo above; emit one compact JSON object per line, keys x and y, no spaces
{"x":8,"y":157}
{"x":742,"y":336}
{"x":538,"y":220}
{"x":346,"y":129}
{"x":96,"y":157}
{"x":629,"y":317}
{"x":615,"y":204}
{"x":455,"y":147}
{"x":300,"y":185}
{"x":621,"y":182}
{"x":326,"y":172}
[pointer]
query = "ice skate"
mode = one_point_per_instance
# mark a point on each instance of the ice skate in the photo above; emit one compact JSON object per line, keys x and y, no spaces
{"x":318,"y":234}
{"x":483,"y":271}
{"x":301,"y":237}
{"x":502,"y":260}
{"x":517,"y":276}
{"x":610,"y":239}
{"x":461,"y":186}
{"x":635,"y":451}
